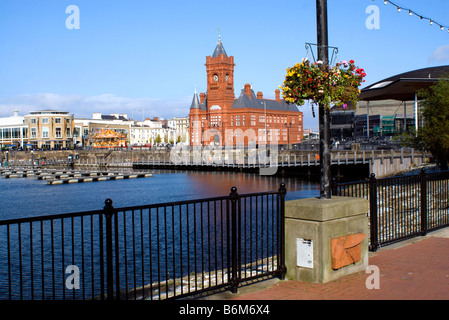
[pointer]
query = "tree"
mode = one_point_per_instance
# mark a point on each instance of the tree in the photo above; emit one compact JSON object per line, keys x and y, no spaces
{"x":158,"y":139}
{"x":434,"y":135}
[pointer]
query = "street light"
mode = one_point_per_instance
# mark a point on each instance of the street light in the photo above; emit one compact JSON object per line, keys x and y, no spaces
{"x":324,"y":113}
{"x":288,"y":126}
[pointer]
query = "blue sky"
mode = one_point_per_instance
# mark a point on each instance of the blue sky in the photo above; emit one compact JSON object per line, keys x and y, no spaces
{"x":145,"y":58}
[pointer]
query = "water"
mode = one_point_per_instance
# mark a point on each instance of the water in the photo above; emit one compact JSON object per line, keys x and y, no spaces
{"x":195,"y":239}
{"x":29,"y":197}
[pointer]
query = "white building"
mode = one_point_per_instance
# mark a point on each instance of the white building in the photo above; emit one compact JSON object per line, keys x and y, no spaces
{"x":13,"y":131}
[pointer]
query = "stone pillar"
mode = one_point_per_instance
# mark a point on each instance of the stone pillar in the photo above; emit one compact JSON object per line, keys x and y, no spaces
{"x":326,"y":238}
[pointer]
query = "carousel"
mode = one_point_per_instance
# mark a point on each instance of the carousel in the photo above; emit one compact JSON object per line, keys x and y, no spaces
{"x":106,"y":139}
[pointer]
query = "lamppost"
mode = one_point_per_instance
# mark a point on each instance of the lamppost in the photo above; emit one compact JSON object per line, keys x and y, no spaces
{"x":288,"y":126}
{"x":324,"y":113}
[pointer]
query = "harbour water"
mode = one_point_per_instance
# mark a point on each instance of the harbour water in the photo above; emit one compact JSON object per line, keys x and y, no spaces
{"x":29,"y":197}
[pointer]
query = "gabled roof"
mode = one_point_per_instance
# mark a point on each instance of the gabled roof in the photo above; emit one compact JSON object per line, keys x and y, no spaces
{"x":244,"y":101}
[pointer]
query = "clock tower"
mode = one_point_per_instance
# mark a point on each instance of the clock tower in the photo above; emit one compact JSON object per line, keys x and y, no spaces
{"x":220,"y":79}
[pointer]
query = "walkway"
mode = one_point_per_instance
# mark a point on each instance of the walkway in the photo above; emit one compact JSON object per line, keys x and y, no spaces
{"x":417,"y":269}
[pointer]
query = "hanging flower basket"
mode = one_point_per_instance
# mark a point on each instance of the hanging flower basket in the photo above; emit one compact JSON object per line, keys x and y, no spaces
{"x":336,"y":86}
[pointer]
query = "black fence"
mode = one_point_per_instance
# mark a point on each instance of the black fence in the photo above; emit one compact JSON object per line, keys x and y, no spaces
{"x":160,"y":251}
{"x":402,"y":207}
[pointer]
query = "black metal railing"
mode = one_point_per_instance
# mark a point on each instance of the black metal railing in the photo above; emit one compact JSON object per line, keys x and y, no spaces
{"x":402,"y":207}
{"x":159,"y":251}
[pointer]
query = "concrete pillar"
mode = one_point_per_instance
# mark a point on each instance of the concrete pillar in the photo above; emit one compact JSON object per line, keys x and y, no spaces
{"x":314,"y":226}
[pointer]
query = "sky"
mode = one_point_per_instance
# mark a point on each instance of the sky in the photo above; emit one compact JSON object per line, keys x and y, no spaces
{"x":146,"y":58}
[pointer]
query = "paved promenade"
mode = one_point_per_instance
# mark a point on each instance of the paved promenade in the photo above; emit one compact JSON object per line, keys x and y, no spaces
{"x":416,"y":269}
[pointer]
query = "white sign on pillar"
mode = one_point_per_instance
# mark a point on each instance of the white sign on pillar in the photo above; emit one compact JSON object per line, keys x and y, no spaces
{"x":304,"y":253}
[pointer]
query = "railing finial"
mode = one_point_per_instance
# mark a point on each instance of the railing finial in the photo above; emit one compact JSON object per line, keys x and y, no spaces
{"x":282,"y":189}
{"x":108,"y":202}
{"x":233,"y":192}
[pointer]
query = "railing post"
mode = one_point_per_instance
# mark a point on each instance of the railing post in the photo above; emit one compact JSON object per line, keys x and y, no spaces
{"x":423,"y":202}
{"x":374,"y":241}
{"x":282,"y":269}
{"x":109,"y":213}
{"x":235,"y":279}
{"x":334,"y":187}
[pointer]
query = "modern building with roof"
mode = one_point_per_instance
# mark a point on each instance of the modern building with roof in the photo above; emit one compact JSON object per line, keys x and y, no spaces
{"x":387,"y":107}
{"x":398,"y":96}
{"x":217,"y":117}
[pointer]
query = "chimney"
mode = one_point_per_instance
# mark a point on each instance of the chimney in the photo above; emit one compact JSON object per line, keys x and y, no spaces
{"x":16,"y":113}
{"x":202,"y":97}
{"x":278,"y":95}
{"x":248,"y":90}
{"x":259,"y":95}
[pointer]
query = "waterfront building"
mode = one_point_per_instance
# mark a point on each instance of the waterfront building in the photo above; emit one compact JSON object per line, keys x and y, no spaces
{"x":13,"y":131}
{"x":159,"y":131}
{"x":398,"y":96}
{"x":217,"y":117}
{"x":386,"y":108}
{"x":50,"y":129}
{"x":147,"y":132}
{"x":182,"y":129}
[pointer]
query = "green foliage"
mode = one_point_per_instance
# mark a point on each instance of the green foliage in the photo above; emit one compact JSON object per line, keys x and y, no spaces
{"x":434,"y":135}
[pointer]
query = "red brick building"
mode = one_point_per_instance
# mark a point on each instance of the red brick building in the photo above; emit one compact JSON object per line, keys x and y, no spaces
{"x":218,"y":117}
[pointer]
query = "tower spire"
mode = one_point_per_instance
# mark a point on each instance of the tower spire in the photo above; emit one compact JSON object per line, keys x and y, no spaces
{"x":195,"y":101}
{"x":219,"y":49}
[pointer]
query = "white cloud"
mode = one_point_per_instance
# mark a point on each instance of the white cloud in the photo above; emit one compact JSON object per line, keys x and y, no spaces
{"x":84,"y":106}
{"x":440,"y":54}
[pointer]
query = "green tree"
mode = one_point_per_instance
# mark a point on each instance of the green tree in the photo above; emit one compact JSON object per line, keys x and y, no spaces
{"x":434,"y":135}
{"x":158,"y":139}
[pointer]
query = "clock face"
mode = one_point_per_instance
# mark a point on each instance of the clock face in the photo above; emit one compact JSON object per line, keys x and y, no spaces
{"x":215,"y":77}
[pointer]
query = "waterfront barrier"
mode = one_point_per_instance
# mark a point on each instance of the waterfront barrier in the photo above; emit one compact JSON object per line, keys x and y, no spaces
{"x":155,"y":252}
{"x":379,"y":162}
{"x":401,"y":207}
